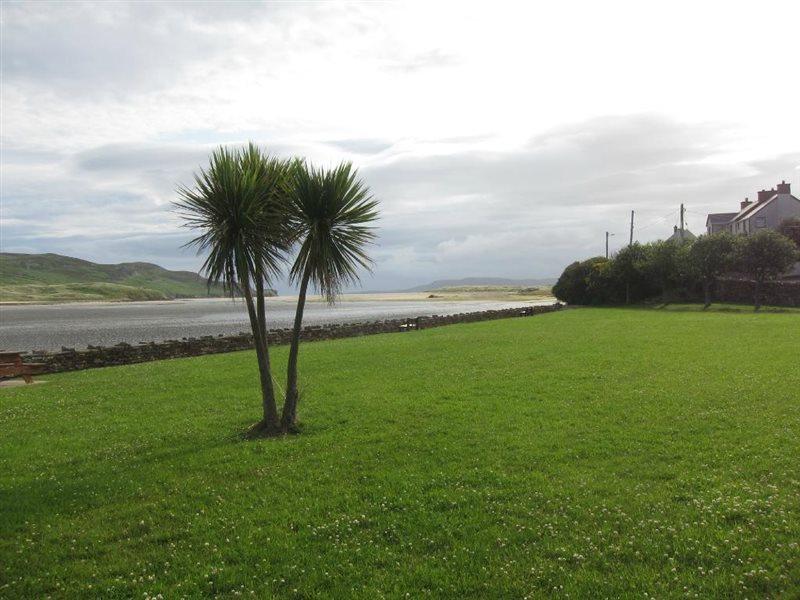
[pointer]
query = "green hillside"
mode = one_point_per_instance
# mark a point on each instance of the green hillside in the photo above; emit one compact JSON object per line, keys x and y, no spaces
{"x":56,"y":278}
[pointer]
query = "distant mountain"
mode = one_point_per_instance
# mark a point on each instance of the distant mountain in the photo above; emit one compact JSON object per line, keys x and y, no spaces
{"x":479,"y":281}
{"x":56,"y":278}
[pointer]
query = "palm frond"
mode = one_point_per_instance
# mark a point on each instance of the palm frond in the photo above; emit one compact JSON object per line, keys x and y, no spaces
{"x":332,"y":220}
{"x":240,"y":206}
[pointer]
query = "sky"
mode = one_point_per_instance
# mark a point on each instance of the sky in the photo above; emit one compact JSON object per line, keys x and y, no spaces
{"x":500,"y":138}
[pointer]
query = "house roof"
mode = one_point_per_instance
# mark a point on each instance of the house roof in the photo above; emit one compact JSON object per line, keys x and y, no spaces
{"x":746,"y":214}
{"x":677,"y":237}
{"x":720,"y":218}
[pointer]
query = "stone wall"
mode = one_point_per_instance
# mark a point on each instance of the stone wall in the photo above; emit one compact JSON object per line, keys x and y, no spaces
{"x":69,"y":359}
{"x":775,"y":293}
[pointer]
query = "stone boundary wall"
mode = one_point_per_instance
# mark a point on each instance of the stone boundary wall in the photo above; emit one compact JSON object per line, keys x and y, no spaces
{"x":69,"y":359}
{"x":774,"y":293}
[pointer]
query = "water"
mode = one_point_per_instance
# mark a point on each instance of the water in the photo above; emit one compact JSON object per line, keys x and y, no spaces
{"x":49,"y":327}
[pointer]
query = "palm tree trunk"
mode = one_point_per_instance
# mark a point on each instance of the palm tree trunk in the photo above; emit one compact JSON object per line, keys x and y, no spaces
{"x":290,"y":404}
{"x":261,"y":316}
{"x":270,"y":421}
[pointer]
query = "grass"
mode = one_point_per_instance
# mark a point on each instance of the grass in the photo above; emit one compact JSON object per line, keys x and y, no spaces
{"x":588,"y":453}
{"x":544,"y":290}
{"x":730,"y":308}
{"x":77,"y":292}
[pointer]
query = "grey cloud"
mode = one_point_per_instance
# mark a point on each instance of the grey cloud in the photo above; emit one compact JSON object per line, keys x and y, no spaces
{"x":15,"y":155}
{"x":362,"y":146}
{"x":599,"y":159}
{"x":94,"y":49}
{"x":127,"y":156}
{"x":134,"y":158}
{"x":74,"y":45}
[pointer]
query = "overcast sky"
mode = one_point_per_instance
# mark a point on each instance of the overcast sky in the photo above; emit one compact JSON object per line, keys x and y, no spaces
{"x":501,"y":139}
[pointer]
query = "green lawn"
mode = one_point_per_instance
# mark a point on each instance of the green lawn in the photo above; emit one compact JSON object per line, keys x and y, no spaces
{"x":588,"y":453}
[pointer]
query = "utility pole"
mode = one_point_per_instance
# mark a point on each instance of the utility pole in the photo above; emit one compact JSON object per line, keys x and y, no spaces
{"x":631,"y":242}
{"x":682,"y":212}
{"x":607,"y":236}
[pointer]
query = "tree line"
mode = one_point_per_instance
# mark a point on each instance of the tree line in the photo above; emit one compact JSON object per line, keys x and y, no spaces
{"x":687,"y":269}
{"x":257,"y":214}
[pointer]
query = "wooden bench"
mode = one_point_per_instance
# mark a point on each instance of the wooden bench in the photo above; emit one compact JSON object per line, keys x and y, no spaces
{"x":410,"y":324}
{"x":11,"y":365}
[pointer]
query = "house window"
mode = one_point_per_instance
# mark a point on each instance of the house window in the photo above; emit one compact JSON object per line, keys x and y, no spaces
{"x":761,"y":221}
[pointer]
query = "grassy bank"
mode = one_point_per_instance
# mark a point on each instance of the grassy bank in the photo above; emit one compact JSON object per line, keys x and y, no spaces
{"x":588,"y":453}
{"x":42,"y":278}
{"x":33,"y":293}
{"x":493,"y":292}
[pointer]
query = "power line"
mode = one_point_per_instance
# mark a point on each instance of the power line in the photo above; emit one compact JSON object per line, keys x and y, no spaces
{"x":658,"y":220}
{"x":696,"y":213}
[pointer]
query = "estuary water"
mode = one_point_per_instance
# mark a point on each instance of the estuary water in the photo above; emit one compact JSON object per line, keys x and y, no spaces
{"x":49,"y":327}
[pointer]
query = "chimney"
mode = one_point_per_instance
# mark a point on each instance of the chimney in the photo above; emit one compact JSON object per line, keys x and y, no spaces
{"x":784,"y":188}
{"x":745,"y":204}
{"x":765,"y":195}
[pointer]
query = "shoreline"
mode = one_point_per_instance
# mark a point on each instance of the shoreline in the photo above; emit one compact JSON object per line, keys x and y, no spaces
{"x":124,"y":353}
{"x":80,"y":325}
{"x":432,"y":297}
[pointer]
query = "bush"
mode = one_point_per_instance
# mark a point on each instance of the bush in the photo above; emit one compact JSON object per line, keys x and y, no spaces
{"x":665,"y":268}
{"x":582,"y":282}
{"x":664,"y":265}
{"x":629,"y":271}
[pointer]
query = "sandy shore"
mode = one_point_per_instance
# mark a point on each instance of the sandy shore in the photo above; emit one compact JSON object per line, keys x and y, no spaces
{"x":438,"y":296}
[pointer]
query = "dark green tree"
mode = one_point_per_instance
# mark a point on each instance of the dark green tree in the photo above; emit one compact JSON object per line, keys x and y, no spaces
{"x":601,"y":285}
{"x":662,"y":265}
{"x":240,"y":206}
{"x":629,"y":268}
{"x":332,"y":216}
{"x":764,"y":256}
{"x":709,"y":257}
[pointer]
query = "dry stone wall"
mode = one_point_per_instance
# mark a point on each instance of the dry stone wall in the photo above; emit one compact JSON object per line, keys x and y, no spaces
{"x":775,"y":293}
{"x":69,"y":359}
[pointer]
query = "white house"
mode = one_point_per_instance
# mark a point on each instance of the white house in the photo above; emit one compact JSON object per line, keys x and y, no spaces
{"x":768,"y":212}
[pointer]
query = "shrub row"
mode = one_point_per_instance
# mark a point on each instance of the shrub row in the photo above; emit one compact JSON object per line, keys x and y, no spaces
{"x":678,"y":269}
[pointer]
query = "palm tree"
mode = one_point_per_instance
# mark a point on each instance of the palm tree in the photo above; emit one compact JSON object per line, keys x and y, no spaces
{"x":331,"y":215}
{"x":240,"y":206}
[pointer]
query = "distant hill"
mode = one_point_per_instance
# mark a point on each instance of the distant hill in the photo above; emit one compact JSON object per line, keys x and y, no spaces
{"x":56,"y":278}
{"x":479,"y":282}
